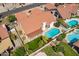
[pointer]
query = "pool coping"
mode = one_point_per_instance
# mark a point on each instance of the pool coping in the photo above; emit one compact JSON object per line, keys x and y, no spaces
{"x":69,"y":34}
{"x":52,"y":28}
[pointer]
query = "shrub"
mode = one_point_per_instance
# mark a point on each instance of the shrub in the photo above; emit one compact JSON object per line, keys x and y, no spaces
{"x":57,"y":24}
{"x":11,"y":18}
{"x":61,"y":37}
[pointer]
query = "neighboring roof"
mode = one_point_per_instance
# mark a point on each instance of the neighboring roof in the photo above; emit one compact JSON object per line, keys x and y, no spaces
{"x":5,"y":44}
{"x":66,"y":10}
{"x":31,"y":23}
{"x":76,"y":44}
{"x":3,"y":32}
{"x":50,"y":6}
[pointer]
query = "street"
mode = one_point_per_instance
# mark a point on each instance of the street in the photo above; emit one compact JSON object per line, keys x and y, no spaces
{"x":13,"y":11}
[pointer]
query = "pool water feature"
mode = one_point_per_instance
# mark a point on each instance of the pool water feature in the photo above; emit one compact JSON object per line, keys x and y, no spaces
{"x":72,"y":23}
{"x":72,"y":37}
{"x":52,"y":32}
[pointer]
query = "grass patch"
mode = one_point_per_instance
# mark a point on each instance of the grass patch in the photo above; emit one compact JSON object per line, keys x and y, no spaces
{"x":49,"y":51}
{"x":74,"y":16}
{"x":67,"y":50}
{"x":31,"y":47}
{"x":19,"y":52}
{"x":34,"y":45}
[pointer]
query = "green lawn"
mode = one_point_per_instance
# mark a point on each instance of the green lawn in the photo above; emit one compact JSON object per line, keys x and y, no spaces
{"x":30,"y":47}
{"x":49,"y":51}
{"x":74,"y":16}
{"x":19,"y":52}
{"x":34,"y":45}
{"x":68,"y":51}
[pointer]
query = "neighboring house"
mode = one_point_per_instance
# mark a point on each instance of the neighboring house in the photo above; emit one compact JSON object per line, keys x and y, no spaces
{"x":76,"y":44}
{"x":31,"y":22}
{"x":5,"y":42}
{"x":67,"y":9}
{"x":50,"y":6}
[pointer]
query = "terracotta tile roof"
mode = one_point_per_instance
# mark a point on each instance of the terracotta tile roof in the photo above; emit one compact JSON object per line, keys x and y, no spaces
{"x":39,"y":31}
{"x":76,"y":44}
{"x":3,"y":32}
{"x":50,"y":6}
{"x":67,"y":9}
{"x":31,"y":23}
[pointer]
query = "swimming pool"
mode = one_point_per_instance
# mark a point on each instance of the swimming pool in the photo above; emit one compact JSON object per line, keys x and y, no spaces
{"x":72,"y":23}
{"x":73,"y":37}
{"x":52,"y":32}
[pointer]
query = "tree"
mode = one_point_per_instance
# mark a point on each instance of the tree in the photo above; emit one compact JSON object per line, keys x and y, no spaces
{"x":11,"y":18}
{"x":61,"y":21}
{"x":57,"y":24}
{"x":61,"y":37}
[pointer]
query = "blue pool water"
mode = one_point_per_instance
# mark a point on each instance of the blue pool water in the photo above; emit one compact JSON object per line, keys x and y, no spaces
{"x":73,"y":37}
{"x":72,"y":23}
{"x":52,"y":32}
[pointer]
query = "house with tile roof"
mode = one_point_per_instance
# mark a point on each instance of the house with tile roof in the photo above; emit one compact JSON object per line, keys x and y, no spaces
{"x":31,"y":22}
{"x":67,"y":10}
{"x":5,"y":42}
{"x":53,"y":9}
{"x":50,"y":6}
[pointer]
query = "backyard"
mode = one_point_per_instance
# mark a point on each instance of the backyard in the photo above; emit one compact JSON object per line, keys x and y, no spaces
{"x":31,"y":46}
{"x":35,"y":44}
{"x":65,"y":49}
{"x":49,"y":51}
